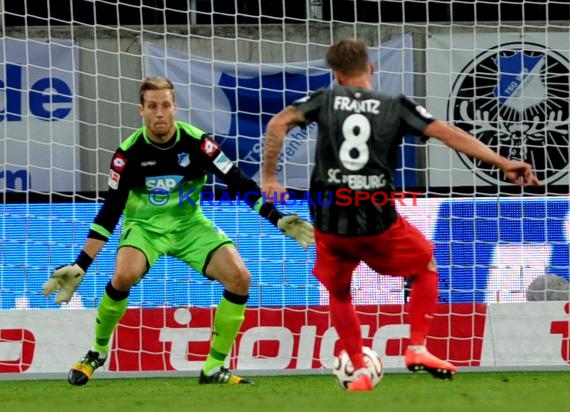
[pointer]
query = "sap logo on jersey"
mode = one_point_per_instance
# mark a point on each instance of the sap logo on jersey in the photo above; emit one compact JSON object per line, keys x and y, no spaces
{"x":48,"y":98}
{"x":162,"y":182}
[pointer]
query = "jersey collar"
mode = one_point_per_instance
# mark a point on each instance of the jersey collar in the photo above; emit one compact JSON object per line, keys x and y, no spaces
{"x":168,"y":144}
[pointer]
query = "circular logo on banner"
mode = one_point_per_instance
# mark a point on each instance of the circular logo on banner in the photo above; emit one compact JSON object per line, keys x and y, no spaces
{"x":514,"y":98}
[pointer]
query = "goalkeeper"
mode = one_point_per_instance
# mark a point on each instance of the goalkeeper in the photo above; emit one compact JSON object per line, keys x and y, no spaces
{"x":168,"y":158}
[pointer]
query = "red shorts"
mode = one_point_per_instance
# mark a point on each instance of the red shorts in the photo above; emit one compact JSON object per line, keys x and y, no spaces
{"x":402,"y":250}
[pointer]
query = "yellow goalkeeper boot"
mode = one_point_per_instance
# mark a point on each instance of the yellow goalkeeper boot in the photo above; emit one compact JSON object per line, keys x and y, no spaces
{"x":223,"y":376}
{"x":81,"y":372}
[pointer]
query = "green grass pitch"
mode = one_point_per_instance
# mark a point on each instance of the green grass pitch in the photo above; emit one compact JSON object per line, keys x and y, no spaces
{"x":497,"y":391}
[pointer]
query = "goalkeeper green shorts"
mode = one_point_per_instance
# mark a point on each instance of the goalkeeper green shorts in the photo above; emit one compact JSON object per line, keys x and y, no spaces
{"x":193,"y":242}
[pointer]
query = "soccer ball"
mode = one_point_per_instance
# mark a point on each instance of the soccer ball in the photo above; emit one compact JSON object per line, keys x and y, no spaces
{"x":344,"y":371}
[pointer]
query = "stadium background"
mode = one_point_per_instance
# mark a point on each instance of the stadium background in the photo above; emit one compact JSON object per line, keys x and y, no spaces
{"x":491,"y":239}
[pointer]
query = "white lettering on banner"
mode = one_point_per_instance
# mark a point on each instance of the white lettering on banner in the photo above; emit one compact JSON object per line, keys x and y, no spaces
{"x":252,"y":336}
{"x":180,"y":338}
{"x":295,"y":149}
{"x":493,"y":335}
{"x":298,"y":146}
{"x":285,"y":338}
{"x":253,"y":154}
{"x":382,"y":336}
{"x":307,"y":339}
{"x":328,"y":342}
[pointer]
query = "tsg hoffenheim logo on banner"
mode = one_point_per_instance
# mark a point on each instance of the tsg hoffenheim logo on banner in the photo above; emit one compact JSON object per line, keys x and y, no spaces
{"x":515,"y":98}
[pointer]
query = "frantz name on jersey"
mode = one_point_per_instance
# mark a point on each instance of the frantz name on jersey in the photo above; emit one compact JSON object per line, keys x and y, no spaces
{"x":357,"y":106}
{"x":357,"y":182}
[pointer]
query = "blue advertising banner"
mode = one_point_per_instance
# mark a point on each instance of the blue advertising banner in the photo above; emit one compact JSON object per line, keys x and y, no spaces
{"x":234,"y":101}
{"x":38,"y":115}
{"x":487,"y":250}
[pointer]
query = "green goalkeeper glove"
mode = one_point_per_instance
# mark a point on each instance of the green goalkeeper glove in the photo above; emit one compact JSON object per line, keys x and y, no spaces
{"x":65,"y":279}
{"x":297,"y":228}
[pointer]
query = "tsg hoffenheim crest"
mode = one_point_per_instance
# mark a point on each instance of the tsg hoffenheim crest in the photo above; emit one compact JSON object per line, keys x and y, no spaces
{"x":183,"y":159}
{"x":515,"y":99}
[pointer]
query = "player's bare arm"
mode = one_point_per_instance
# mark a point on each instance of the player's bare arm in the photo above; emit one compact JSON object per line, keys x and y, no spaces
{"x":517,"y":172}
{"x":277,"y":128}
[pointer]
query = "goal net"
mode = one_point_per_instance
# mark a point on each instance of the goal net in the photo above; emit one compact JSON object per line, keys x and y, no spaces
{"x":69,"y":78}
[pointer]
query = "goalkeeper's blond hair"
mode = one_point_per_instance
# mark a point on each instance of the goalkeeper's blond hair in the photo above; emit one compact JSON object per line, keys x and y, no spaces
{"x":156,"y":83}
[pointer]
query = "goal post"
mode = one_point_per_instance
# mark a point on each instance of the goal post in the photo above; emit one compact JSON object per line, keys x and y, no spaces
{"x":69,"y":94}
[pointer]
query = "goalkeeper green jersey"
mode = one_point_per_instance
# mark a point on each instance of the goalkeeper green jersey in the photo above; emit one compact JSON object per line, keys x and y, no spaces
{"x":160,"y":185}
